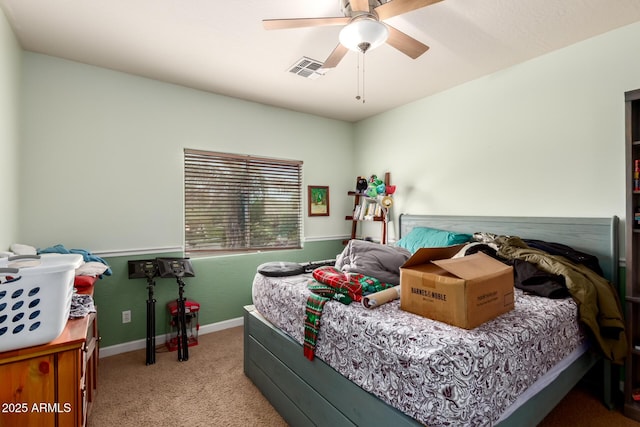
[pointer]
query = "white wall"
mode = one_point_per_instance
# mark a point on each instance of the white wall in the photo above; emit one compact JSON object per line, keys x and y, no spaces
{"x":10,"y":65}
{"x":543,"y":138}
{"x":102,"y":152}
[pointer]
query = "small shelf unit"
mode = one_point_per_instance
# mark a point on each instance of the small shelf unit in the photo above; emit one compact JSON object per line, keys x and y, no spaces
{"x":360,"y":204}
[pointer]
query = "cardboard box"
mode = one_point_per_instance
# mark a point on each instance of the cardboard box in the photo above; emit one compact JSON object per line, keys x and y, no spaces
{"x":464,"y":292}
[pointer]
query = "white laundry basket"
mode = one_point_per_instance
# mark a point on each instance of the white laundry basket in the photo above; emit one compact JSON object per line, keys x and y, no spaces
{"x":35,"y":300}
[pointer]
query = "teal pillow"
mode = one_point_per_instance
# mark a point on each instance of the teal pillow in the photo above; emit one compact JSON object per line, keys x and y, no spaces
{"x":425,"y":237}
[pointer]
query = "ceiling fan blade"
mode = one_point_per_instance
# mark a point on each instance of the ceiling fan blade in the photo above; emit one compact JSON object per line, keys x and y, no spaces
{"x":280,"y":24}
{"x":398,"y":7}
{"x":336,"y":56}
{"x":359,"y":5}
{"x":404,"y":43}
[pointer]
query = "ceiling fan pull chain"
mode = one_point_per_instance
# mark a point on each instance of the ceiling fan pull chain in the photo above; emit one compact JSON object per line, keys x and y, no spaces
{"x":358,"y":97}
{"x":363,"y":70}
{"x":358,"y":78}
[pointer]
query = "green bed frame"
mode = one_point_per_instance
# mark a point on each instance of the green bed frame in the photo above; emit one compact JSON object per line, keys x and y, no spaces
{"x":309,"y":393}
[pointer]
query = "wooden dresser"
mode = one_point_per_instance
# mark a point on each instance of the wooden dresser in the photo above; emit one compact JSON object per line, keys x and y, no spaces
{"x":52,"y":384}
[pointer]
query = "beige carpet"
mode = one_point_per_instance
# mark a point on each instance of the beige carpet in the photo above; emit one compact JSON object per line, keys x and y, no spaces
{"x":210,"y":389}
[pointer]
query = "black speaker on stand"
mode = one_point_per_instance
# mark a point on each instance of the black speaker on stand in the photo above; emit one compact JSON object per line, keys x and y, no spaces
{"x":140,"y":269}
{"x":178,"y":268}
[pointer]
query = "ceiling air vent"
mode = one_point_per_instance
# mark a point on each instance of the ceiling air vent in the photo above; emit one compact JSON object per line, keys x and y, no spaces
{"x":308,"y":68}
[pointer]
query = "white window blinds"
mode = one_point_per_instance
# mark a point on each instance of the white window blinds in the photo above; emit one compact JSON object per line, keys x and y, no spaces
{"x":236,"y":203}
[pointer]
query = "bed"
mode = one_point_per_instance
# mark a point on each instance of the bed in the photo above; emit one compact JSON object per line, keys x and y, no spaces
{"x":315,"y":393}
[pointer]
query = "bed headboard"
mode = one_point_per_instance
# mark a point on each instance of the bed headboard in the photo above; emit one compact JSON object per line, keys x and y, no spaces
{"x":596,"y":236}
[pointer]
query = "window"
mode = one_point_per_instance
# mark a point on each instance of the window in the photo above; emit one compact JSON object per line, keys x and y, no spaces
{"x":235,"y":203}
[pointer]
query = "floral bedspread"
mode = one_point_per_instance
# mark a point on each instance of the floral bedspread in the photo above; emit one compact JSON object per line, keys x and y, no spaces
{"x":438,"y":374}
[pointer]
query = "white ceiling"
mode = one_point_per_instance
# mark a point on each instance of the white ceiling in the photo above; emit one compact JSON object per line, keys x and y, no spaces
{"x":221,"y":46}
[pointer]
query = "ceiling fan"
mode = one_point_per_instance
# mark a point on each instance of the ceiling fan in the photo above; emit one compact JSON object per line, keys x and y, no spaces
{"x":364,"y":28}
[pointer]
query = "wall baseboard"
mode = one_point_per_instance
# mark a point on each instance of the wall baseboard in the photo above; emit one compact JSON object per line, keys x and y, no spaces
{"x":112,"y":350}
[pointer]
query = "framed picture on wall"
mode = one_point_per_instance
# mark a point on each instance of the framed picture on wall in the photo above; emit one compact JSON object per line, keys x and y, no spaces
{"x":318,"y":201}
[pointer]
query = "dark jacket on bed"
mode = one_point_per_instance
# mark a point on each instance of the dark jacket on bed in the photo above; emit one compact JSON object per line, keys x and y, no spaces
{"x":526,"y":276}
{"x":598,"y":305}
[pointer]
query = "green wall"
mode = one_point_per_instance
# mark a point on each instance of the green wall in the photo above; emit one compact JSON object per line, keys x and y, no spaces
{"x":10,"y":72}
{"x":541,"y":138}
{"x":118,"y":142}
{"x":116,"y":186}
{"x":222,"y":285}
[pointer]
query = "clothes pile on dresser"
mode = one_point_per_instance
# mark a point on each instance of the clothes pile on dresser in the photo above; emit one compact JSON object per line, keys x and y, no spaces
{"x":86,"y":275}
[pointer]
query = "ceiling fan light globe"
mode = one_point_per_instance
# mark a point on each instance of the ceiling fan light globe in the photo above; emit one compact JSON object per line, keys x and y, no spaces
{"x":363,"y":35}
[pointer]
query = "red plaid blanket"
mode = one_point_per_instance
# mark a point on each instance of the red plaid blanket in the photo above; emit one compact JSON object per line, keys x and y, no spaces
{"x":352,"y":284}
{"x":341,"y":282}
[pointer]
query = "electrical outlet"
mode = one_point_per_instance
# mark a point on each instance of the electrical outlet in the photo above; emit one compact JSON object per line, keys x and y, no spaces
{"x":126,"y":316}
